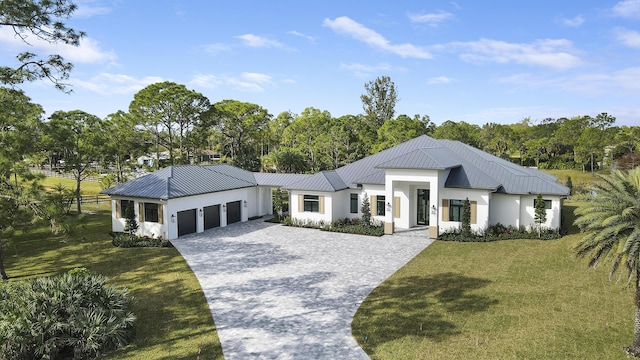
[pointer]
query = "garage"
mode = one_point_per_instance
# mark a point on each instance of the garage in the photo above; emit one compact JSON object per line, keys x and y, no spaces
{"x":186,"y":222}
{"x":234,"y":213}
{"x":211,"y":216}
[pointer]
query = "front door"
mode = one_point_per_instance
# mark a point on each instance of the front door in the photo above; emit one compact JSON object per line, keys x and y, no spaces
{"x":423,"y":207}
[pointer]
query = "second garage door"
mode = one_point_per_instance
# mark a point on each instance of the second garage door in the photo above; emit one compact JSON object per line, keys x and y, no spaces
{"x":234,"y":213}
{"x":211,"y":216}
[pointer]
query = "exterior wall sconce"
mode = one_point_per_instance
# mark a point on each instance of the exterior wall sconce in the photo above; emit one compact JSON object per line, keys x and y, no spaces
{"x":433,"y":209}
{"x":200,"y":212}
{"x":245,"y":203}
{"x":388,"y":206}
{"x":173,"y":218}
{"x":224,"y":207}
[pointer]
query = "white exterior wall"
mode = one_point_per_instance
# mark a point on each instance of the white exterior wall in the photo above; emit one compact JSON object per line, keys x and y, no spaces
{"x":255,"y":201}
{"x":528,"y":211}
{"x":481,"y":197}
{"x":369,"y":191}
{"x":504,"y":209}
{"x":403,"y":183}
{"x":311,"y":216}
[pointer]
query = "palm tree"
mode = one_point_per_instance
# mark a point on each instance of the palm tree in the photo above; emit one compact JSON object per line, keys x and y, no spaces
{"x":610,"y":221}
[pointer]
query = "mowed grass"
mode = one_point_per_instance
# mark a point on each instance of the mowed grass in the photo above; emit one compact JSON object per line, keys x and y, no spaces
{"x":174,"y":320}
{"x":519,"y":299}
{"x":86,"y":187}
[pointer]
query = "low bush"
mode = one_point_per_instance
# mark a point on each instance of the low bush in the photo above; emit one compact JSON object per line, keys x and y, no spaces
{"x":499,"y":232}
{"x":124,"y":240}
{"x":349,"y":226}
{"x":70,"y":316}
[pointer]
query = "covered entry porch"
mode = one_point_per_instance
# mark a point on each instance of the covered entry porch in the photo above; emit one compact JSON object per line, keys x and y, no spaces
{"x":415,"y":195}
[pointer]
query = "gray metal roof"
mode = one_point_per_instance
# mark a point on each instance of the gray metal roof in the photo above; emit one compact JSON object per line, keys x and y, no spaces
{"x":185,"y":180}
{"x":425,"y":158}
{"x":278,"y":179}
{"x":470,"y":168}
{"x":322,"y":181}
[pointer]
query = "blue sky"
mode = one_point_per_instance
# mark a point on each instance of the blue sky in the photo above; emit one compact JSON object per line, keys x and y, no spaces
{"x":463,"y":60}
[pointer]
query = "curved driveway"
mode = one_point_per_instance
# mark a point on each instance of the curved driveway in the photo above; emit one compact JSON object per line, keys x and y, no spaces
{"x":291,"y":293}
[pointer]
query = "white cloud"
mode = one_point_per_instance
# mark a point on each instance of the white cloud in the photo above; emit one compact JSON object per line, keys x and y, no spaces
{"x":625,"y":82}
{"x":246,"y":81}
{"x":88,"y":51}
{"x":90,"y":8}
{"x":627,"y":8}
{"x":441,"y":80}
{"x":432,"y":19}
{"x":345,"y":25}
{"x":553,"y":53}
{"x":299,"y":34}
{"x":575,"y":22}
{"x":630,"y":38}
{"x":256,"y":41}
{"x":362,"y":70}
{"x":109,"y":84}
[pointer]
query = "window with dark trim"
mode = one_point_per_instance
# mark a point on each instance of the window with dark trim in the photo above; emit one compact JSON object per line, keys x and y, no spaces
{"x":547,"y":204}
{"x":151,"y":212}
{"x":455,"y":210}
{"x":354,"y":203}
{"x":125,"y":205}
{"x":312,"y":203}
{"x":380,"y":205}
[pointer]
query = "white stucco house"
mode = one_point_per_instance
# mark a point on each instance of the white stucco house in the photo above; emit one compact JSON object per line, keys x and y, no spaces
{"x":420,"y":183}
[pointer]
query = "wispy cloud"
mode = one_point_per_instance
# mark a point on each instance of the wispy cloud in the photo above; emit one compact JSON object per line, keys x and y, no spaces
{"x":552,"y":53}
{"x":90,"y":8}
{"x":627,"y":9}
{"x":622,"y":82}
{"x":257,"y":41}
{"x":347,"y":26}
{"x":299,"y":34}
{"x":115,"y":84}
{"x":441,"y":80}
{"x":217,"y":48}
{"x":431,"y":19}
{"x":245,"y":82}
{"x":362,"y":70}
{"x":630,"y":38}
{"x":88,"y":51}
{"x":574,"y":22}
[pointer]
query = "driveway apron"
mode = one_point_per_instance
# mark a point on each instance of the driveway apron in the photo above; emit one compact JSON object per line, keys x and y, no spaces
{"x":278,"y":292}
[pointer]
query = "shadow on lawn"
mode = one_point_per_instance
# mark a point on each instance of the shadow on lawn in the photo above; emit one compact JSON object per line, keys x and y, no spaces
{"x":417,"y":307}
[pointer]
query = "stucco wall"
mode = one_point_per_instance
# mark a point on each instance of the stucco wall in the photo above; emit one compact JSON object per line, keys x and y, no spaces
{"x":504,"y":209}
{"x":481,"y":197}
{"x":527,"y":211}
{"x":317,"y":217}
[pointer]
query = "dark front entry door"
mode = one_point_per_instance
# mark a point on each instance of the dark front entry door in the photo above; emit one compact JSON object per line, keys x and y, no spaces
{"x":234,"y":214}
{"x":186,"y":222}
{"x":211,"y":216}
{"x":423,"y":207}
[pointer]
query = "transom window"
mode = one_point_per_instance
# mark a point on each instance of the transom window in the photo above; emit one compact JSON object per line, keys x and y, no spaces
{"x":380,"y":205}
{"x":547,"y":204}
{"x":312,"y":203}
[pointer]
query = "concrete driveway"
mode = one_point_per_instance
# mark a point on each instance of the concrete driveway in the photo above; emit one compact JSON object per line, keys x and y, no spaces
{"x":280,"y":292}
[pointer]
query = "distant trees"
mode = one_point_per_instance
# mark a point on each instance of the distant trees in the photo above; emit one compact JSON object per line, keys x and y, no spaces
{"x":75,"y":137}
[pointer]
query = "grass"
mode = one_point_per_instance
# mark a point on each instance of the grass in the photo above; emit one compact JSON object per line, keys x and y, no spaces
{"x":516,"y":299}
{"x":174,"y":320}
{"x":86,"y":187}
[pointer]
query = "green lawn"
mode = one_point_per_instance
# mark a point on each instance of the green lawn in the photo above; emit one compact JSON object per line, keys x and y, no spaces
{"x":174,"y":321}
{"x":86,"y":187}
{"x":518,"y":299}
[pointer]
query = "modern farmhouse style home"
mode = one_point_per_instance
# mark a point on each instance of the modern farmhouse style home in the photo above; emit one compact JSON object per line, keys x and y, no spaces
{"x":420,"y":183}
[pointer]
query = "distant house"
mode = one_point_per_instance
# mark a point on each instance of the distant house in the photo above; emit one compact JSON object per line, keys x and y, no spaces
{"x":420,"y":183}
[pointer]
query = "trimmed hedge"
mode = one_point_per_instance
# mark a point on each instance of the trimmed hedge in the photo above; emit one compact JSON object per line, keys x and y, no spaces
{"x":70,"y":316}
{"x":124,"y":240}
{"x":349,"y":226}
{"x":499,"y":232}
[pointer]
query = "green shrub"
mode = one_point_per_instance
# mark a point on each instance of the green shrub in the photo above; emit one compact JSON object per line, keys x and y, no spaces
{"x":499,"y":232}
{"x":355,"y":226}
{"x":70,"y":316}
{"x":127,"y":241}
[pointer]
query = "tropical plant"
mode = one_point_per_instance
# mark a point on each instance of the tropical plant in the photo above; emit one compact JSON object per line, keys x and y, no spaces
{"x":71,"y":316}
{"x":610,"y":221}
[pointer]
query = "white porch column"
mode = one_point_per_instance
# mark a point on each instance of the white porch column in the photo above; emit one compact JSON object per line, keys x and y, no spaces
{"x":389,"y":204}
{"x":434,"y":208}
